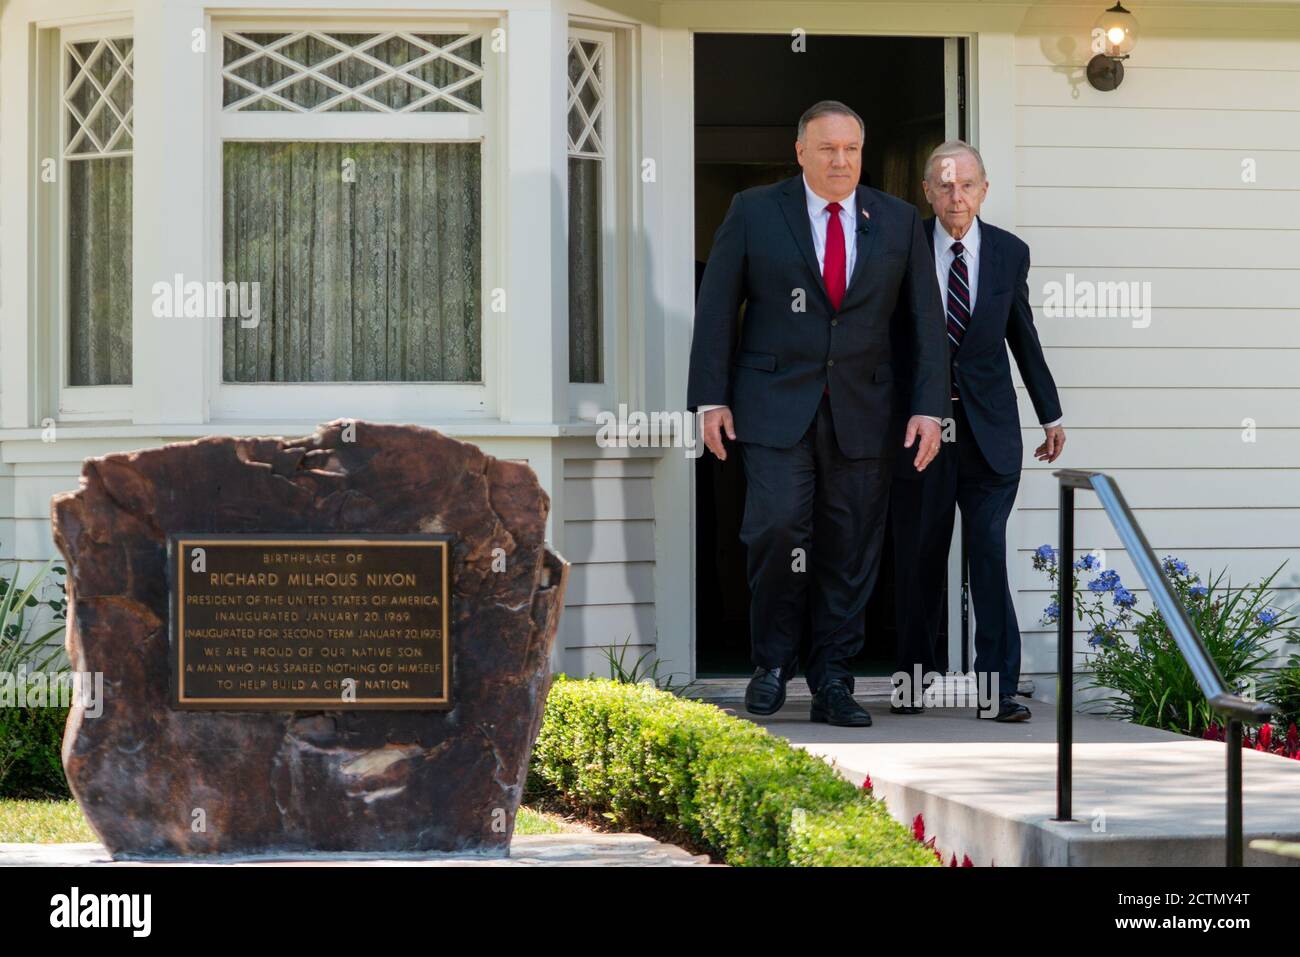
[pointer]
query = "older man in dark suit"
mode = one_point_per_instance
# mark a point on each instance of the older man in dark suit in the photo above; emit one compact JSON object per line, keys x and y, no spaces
{"x":805,"y":387}
{"x":983,"y":275}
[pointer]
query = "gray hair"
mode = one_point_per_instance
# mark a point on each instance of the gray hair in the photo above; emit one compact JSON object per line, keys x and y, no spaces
{"x":828,"y":108}
{"x":954,"y":148}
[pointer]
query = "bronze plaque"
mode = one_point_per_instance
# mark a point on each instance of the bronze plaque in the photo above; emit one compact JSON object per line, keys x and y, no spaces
{"x":310,"y":622}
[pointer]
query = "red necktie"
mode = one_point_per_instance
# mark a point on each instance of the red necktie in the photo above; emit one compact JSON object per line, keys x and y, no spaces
{"x":833,"y":263}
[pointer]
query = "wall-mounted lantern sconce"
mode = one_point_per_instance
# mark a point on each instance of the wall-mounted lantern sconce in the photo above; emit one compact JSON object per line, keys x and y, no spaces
{"x":1113,"y":36}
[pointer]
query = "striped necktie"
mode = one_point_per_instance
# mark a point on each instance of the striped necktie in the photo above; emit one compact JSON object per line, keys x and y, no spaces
{"x":958,"y":301}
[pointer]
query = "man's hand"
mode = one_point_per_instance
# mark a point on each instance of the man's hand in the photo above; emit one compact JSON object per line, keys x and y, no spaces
{"x":1051,"y":448}
{"x":929,"y":433}
{"x":712,"y":424}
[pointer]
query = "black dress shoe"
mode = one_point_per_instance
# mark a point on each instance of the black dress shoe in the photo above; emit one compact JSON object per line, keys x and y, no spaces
{"x":906,"y":708}
{"x":1009,"y":709}
{"x":766,"y":691}
{"x":834,"y":704}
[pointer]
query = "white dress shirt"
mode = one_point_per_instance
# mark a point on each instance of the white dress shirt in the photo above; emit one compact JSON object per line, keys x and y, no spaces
{"x":820,"y":219}
{"x":943,"y":258}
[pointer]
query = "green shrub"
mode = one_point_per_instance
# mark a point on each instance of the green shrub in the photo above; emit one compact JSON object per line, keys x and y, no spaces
{"x":30,"y":744}
{"x":643,"y":758}
{"x":30,"y":737}
{"x":1282,"y":688}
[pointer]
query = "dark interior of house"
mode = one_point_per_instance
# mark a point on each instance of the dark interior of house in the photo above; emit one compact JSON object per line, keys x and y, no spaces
{"x":749,"y":93}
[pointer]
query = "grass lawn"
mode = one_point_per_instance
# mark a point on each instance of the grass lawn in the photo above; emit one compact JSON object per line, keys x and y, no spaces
{"x":60,"y":822}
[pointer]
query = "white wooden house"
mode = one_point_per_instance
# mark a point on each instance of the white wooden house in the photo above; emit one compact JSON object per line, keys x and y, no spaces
{"x":485,"y":215}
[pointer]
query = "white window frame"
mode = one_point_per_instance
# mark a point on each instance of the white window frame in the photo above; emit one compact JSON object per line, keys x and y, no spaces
{"x":71,"y":402}
{"x":414,"y":401}
{"x":586,"y":399}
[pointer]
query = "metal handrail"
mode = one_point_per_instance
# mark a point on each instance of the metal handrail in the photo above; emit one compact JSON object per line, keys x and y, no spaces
{"x":1231,"y":706}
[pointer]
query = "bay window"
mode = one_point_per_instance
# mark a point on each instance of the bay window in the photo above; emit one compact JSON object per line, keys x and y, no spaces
{"x":352,"y":200}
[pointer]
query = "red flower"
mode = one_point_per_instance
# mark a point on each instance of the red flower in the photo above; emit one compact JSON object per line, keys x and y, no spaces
{"x":1265,"y":737}
{"x":918,"y":828}
{"x":954,"y":859}
{"x":1292,"y":740}
{"x":965,"y":861}
{"x":867,"y":785}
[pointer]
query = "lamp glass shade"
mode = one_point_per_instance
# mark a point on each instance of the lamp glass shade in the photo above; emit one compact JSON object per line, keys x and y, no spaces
{"x":1115,"y":32}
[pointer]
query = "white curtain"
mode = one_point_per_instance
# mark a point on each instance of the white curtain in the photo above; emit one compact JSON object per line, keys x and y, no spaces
{"x":368,"y":259}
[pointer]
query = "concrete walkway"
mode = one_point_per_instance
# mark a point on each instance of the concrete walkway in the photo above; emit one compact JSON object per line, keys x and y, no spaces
{"x":585,"y":849}
{"x":1142,"y":797}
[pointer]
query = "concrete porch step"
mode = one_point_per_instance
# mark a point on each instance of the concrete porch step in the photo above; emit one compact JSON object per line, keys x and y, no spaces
{"x":1142,"y":797}
{"x":721,"y":690}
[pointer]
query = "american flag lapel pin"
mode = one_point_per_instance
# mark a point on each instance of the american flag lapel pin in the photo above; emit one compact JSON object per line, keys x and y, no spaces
{"x":866,"y":219}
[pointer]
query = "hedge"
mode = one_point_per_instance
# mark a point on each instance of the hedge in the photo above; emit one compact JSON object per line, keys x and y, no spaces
{"x":30,"y":744}
{"x":644,"y":758}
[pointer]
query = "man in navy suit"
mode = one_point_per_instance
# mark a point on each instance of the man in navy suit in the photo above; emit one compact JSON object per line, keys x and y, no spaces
{"x":805,"y":386}
{"x":982,"y":273}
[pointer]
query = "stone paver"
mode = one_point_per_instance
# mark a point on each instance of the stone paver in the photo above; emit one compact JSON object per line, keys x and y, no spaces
{"x":590,"y":849}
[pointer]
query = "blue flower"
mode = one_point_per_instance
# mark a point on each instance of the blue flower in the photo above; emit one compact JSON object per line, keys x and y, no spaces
{"x":1046,"y":552}
{"x":1124,"y":598}
{"x":1102,"y":635}
{"x":1106,"y":581}
{"x":1052,"y":612}
{"x":1267,"y":617}
{"x":1087,"y":563}
{"x":1198,"y":591}
{"x":1174,"y":566}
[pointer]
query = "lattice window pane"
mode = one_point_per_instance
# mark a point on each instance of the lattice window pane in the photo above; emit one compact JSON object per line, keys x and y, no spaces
{"x":586,"y":98}
{"x":318,"y":72}
{"x":97,"y":97}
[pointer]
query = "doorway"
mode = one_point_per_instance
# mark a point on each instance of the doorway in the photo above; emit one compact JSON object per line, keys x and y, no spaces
{"x":749,"y":92}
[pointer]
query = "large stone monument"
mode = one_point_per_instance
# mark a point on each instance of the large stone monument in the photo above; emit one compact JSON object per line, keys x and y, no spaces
{"x":338,"y":643}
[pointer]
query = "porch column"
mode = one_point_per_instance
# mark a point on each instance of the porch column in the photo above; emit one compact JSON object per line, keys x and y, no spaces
{"x":535,"y":344}
{"x":170,"y":226}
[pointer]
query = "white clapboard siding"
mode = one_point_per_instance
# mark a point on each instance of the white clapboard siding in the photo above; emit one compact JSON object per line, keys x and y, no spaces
{"x":1145,"y":184}
{"x":1243,"y":565}
{"x":610,"y":540}
{"x":1177,"y":528}
{"x":1171,"y":286}
{"x":1183,"y":448}
{"x":599,"y":626}
{"x":1171,"y":88}
{"x":1194,"y":328}
{"x":1149,"y":168}
{"x":600,"y":497}
{"x":1269,"y":408}
{"x":1175,"y":488}
{"x":1214,"y":50}
{"x":584,"y":662}
{"x":1142,"y":207}
{"x":32,"y":494}
{"x":609,"y":537}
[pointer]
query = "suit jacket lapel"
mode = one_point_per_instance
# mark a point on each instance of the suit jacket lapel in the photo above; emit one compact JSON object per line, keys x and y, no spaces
{"x":794,"y":205}
{"x":984,"y":287}
{"x":866,"y":237}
